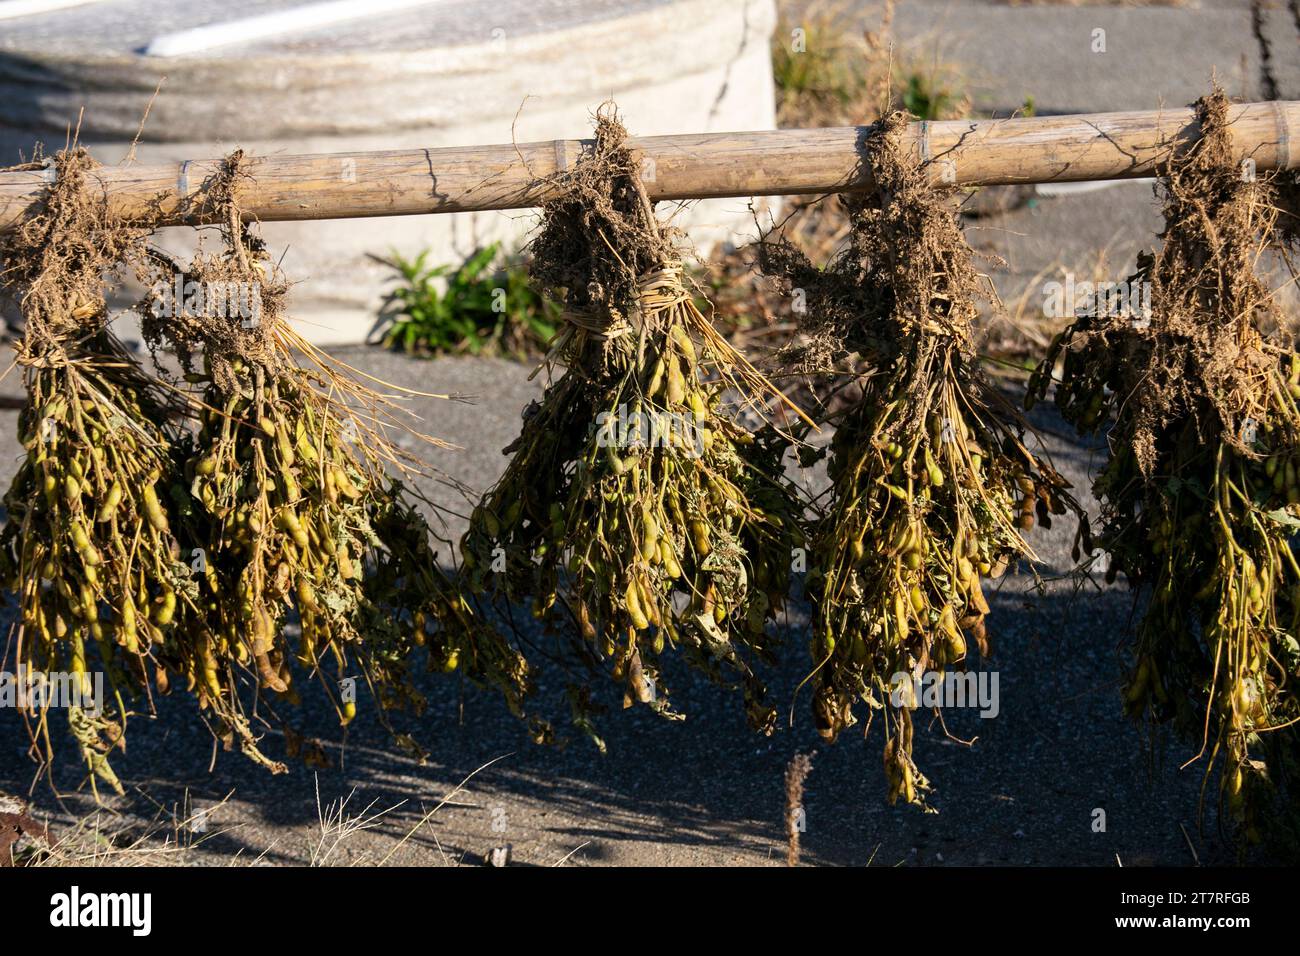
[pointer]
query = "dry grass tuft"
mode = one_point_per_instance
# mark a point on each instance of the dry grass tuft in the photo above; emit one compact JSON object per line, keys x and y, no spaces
{"x":104,"y":838}
{"x":796,"y":772}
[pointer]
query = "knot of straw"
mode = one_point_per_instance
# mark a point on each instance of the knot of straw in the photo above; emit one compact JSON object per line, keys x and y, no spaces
{"x":48,"y":357}
{"x":656,"y":291}
{"x":661,"y":290}
{"x":603,"y":324}
{"x":47,"y":345}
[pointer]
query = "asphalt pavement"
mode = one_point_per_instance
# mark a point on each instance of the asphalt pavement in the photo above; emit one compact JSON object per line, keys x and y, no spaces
{"x":1026,"y":791}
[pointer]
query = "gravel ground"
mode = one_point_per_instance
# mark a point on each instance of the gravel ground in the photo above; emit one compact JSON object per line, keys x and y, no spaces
{"x":1088,"y":57}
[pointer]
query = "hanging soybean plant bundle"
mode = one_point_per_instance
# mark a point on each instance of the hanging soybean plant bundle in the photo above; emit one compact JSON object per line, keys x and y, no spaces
{"x":932,"y":482}
{"x":1201,"y":497}
{"x":632,"y":502}
{"x":292,"y":507}
{"x":87,"y":545}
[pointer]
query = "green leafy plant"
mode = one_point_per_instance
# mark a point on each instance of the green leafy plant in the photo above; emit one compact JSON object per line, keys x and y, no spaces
{"x":478,"y":308}
{"x":927,"y":98}
{"x":821,"y":69}
{"x":832,"y":70}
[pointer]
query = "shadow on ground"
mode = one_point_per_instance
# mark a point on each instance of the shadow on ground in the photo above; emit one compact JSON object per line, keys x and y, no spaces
{"x":1027,"y":791}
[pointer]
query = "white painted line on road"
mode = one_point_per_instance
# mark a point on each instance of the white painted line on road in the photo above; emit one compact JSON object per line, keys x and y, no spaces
{"x":311,"y":16}
{"x":26,"y":8}
{"x":1077,"y":189}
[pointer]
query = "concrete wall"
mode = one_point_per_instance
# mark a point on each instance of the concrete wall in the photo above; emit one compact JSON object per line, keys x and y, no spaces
{"x":455,"y":74}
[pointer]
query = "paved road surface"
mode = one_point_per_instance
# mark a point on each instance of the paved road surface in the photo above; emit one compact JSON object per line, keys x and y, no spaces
{"x":706,"y":791}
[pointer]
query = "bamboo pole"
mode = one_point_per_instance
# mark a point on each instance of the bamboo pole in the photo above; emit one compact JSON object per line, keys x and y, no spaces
{"x":777,"y":162}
